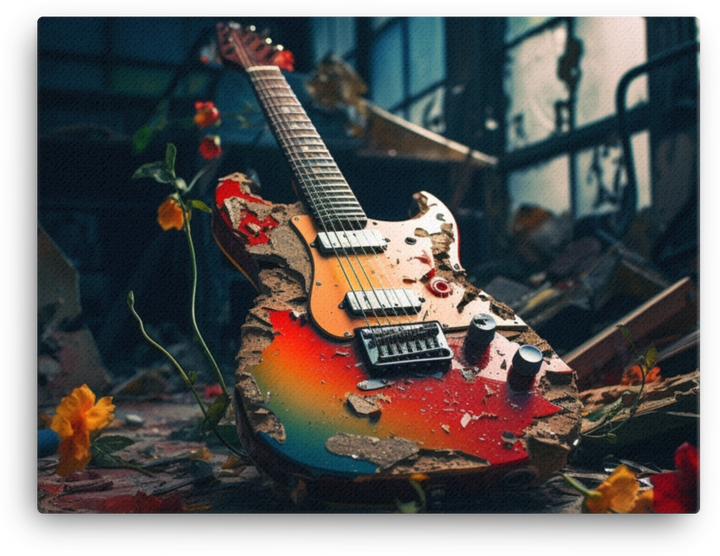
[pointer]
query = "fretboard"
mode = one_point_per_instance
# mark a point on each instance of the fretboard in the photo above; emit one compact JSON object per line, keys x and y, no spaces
{"x":329,"y":198}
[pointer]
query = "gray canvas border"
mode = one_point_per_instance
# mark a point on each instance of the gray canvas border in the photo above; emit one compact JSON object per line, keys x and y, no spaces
{"x":344,"y":533}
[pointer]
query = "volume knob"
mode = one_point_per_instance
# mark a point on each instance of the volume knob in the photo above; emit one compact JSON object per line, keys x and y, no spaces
{"x":479,"y":336}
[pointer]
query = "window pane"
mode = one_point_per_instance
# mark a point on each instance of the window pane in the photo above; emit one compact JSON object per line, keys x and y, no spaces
{"x":334,"y":35}
{"x":344,"y":39}
{"x":611,"y":47}
{"x":601,"y":175}
{"x":321,"y":48}
{"x":516,"y":26}
{"x":545,"y":185}
{"x":386,"y":71}
{"x":429,"y":111}
{"x":377,"y":22}
{"x":533,"y":88}
{"x":427,"y":52}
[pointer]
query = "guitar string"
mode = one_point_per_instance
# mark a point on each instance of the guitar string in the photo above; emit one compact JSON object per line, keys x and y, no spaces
{"x":322,"y":150}
{"x":318,"y":203}
{"x":403,"y":291}
{"x":249,"y":64}
{"x":311,"y":181}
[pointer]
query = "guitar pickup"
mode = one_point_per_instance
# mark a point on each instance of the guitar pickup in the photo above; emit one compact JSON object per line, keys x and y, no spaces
{"x":382,"y":302}
{"x":350,"y":241}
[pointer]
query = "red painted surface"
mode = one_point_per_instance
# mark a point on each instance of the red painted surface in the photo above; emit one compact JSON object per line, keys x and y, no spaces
{"x":307,"y":378}
{"x":230,"y":188}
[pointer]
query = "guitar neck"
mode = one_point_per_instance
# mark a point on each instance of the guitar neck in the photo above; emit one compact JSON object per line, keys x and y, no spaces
{"x":332,"y":203}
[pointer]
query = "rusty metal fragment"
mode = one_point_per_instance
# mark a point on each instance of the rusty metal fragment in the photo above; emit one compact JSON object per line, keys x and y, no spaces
{"x":382,"y":452}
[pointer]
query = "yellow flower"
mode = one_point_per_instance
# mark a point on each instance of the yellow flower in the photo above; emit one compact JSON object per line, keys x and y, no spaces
{"x":644,"y":503}
{"x":618,"y":493}
{"x":170,"y":215}
{"x":75,"y":419}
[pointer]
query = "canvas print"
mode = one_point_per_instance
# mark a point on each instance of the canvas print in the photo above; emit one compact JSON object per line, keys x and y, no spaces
{"x":368,"y":265}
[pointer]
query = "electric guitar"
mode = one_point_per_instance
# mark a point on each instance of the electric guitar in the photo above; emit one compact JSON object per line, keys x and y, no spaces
{"x":369,"y":365}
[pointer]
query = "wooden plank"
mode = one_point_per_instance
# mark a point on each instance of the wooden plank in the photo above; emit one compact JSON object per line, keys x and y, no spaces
{"x":672,"y":311}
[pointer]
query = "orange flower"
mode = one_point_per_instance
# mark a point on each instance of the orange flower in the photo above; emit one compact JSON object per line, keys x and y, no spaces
{"x":210,"y":147}
{"x":75,"y":419}
{"x":633,"y":376}
{"x":170,"y":215}
{"x":619,"y":493}
{"x":206,"y":114}
{"x":644,"y":502}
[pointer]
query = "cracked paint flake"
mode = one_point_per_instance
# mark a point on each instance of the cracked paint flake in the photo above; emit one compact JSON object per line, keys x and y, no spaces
{"x":381,"y":452}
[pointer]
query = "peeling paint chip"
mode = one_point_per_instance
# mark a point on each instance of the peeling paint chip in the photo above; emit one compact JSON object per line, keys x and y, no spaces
{"x":382,"y":453}
{"x":363,"y":407}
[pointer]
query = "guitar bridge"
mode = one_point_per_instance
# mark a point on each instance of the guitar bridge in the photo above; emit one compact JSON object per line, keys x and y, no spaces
{"x":405,"y":347}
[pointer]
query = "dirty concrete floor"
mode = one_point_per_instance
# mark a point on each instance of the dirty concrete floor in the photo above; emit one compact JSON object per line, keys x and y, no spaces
{"x":166,"y":480}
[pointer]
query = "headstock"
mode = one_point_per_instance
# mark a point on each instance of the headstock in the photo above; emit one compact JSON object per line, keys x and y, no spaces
{"x":243,"y":48}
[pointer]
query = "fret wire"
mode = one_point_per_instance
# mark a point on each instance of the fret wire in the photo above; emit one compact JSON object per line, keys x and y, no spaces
{"x":309,"y":164}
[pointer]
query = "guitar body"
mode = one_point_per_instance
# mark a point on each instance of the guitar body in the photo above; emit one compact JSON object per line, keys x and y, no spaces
{"x":369,"y":365}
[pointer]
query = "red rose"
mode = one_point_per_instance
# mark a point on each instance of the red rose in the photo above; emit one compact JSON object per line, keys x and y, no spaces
{"x":284,"y":59}
{"x":677,"y":492}
{"x":206,"y":114}
{"x":210,"y":147}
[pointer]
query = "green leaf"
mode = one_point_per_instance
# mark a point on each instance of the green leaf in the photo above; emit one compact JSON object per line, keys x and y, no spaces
{"x":113,"y":443}
{"x":611,"y":438}
{"x":192,"y":376}
{"x":606,"y":411}
{"x":651,"y":357}
{"x":195,"y":203}
{"x":156,"y":170}
{"x":170,"y":156}
{"x":102,"y":455}
{"x":215,"y":412}
{"x":625,"y":332}
{"x":141,"y":139}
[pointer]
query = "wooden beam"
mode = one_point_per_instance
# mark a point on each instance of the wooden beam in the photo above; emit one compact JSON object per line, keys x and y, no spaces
{"x":668,"y":315}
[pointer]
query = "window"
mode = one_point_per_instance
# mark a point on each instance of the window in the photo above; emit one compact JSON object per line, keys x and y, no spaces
{"x":333,"y":35}
{"x":408,"y":69}
{"x":561,"y":76}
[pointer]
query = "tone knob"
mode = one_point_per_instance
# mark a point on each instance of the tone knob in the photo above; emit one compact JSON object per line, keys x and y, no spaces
{"x":526,"y":364}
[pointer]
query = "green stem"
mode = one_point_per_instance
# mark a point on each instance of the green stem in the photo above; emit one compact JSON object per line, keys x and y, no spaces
{"x":196,"y":178}
{"x":577,"y":486}
{"x":193,"y":261}
{"x":186,"y":379}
